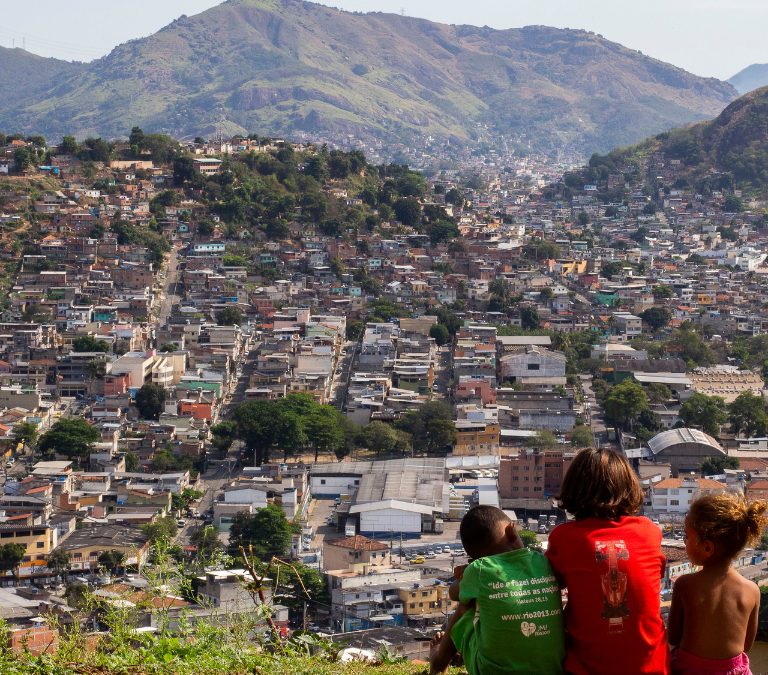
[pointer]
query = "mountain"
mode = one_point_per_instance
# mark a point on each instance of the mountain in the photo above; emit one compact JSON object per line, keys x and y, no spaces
{"x":23,"y":78}
{"x":282,"y":66}
{"x":726,"y":152}
{"x":752,"y":77}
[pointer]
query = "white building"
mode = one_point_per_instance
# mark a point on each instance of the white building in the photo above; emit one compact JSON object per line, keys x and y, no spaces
{"x":674,"y":495}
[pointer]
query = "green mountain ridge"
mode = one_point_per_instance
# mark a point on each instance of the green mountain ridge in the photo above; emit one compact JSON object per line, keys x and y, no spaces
{"x":283,"y":66}
{"x":730,"y":151}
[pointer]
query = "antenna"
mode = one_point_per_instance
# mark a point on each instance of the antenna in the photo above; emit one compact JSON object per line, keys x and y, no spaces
{"x":402,"y":11}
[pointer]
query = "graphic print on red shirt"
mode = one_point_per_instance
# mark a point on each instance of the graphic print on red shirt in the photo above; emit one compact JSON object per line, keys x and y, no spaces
{"x":614,"y":584}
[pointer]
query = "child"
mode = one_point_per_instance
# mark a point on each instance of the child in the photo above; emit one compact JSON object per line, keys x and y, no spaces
{"x":611,"y":563}
{"x":510,"y":614}
{"x":713,"y":618}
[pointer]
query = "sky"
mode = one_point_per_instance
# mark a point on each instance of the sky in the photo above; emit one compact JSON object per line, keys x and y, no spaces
{"x":711,"y":38}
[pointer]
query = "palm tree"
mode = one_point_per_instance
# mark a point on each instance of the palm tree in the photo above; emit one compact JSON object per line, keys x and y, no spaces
{"x":96,"y":370}
{"x":500,"y":288}
{"x":561,"y":341}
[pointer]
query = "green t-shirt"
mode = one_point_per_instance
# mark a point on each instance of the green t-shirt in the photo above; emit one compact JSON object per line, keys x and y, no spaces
{"x":520,"y":614}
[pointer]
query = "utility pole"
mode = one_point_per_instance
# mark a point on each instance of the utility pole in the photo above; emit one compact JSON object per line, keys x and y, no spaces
{"x":305,"y":614}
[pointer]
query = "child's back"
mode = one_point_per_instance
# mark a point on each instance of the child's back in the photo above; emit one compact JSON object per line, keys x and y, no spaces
{"x":613,"y":571}
{"x":717,"y":612}
{"x":517,"y":623}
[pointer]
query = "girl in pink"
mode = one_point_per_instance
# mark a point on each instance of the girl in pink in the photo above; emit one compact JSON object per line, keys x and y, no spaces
{"x":713,"y":618}
{"x":611,"y":563}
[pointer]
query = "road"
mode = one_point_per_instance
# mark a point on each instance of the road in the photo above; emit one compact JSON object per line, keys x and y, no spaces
{"x":594,"y":413}
{"x":170,"y":288}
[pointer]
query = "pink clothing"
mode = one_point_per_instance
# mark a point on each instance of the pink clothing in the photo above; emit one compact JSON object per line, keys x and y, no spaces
{"x":684,"y":663}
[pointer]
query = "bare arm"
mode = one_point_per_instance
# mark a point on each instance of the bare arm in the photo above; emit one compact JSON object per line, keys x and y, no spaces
{"x":453,"y":591}
{"x":749,"y":638}
{"x":675,"y":620}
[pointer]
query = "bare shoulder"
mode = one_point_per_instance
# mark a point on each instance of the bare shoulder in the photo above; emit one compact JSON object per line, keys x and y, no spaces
{"x":749,"y":589}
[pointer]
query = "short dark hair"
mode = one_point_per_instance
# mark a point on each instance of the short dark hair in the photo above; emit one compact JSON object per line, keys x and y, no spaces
{"x":479,"y":527}
{"x":600,"y":484}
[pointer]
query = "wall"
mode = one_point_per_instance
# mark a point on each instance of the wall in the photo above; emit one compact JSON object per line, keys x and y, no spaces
{"x":390,"y":519}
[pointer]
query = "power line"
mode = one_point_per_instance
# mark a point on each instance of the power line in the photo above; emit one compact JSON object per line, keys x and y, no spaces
{"x":55,"y":45}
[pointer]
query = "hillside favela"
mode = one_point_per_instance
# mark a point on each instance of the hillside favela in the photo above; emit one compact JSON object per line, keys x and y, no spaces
{"x":366,"y":343}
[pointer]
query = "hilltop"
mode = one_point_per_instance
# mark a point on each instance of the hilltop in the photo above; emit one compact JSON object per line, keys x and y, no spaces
{"x":752,"y":77}
{"x":730,"y":151}
{"x":282,"y":67}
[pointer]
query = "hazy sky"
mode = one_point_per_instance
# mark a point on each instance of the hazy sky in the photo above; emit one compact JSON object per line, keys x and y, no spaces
{"x":714,"y":38}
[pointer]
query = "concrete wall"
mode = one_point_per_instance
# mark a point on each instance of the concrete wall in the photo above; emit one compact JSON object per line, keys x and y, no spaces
{"x":390,"y":519}
{"x":334,"y":486}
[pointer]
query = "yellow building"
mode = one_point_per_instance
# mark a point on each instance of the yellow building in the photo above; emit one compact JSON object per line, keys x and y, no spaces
{"x":38,"y":540}
{"x":476,"y":437}
{"x":420,"y":600}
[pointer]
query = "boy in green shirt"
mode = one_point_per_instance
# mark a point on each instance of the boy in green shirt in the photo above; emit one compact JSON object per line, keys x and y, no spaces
{"x":510,"y":616}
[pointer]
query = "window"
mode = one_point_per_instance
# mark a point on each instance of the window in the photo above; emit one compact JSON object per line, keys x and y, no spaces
{"x":357,"y":482}
{"x":515,"y":478}
{"x":421,"y":604}
{"x":537,"y":489}
{"x":424,"y":594}
{"x":526,"y":489}
{"x":674,"y":502}
{"x":533,"y":366}
{"x":526,"y":478}
{"x":515,"y":468}
{"x":526,"y":468}
{"x":40,"y":544}
{"x":357,"y":596}
{"x":538,"y":468}
{"x":413,"y":605}
{"x":322,"y":481}
{"x":514,"y":489}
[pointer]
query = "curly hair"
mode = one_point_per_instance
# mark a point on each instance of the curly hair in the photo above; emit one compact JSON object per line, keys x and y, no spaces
{"x":600,"y":484}
{"x":728,"y":521}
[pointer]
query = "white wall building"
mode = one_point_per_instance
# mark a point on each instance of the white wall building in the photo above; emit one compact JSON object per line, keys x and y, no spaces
{"x":674,"y":495}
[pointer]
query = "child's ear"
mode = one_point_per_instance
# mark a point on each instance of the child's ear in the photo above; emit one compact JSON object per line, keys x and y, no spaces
{"x":512,"y":535}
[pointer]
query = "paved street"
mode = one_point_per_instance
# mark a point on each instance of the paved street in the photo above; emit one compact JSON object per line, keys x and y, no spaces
{"x":594,"y":413}
{"x":169,"y":288}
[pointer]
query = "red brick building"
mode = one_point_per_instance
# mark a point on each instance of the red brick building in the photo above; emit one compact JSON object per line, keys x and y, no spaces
{"x":530,"y":474}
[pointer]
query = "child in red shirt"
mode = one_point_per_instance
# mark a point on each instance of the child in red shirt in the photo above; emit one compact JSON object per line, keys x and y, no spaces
{"x":611,"y":563}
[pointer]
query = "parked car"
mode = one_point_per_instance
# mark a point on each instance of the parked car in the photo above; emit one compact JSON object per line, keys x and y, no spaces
{"x":418,"y":560}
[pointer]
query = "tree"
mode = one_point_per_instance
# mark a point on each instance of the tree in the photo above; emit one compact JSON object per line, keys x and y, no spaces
{"x":625,"y":401}
{"x":440,"y":434}
{"x":546,"y":294}
{"x":68,"y":146}
{"x":163,"y":529}
{"x":417,"y":422}
{"x":439,"y":333}
{"x":267,"y":530}
{"x":408,"y":211}
{"x":379,"y":437}
{"x":747,"y":414}
{"x":581,"y":437}
{"x":355,"y":328}
{"x":257,"y":425}
{"x":23,"y":158}
{"x":322,"y":429}
{"x":530,"y":540}
{"x":72,"y":437}
{"x":206,"y":540}
{"x":663,"y":291}
{"x":733,"y":204}
{"x":58,"y":561}
{"x":656,"y":317}
{"x":529,"y":318}
{"x":543,"y":440}
{"x":704,"y":411}
{"x":88,"y":343}
{"x":150,"y":400}
{"x":229,"y":316}
{"x":612,"y":269}
{"x":337,"y":267}
{"x":583,"y":218}
{"x":713,"y":466}
{"x":689,"y":346}
{"x":658,"y":392}
{"x":299,"y":585}
{"x":131,"y":462}
{"x":11,"y":556}
{"x":111,"y":560}
{"x":169,"y":347}
{"x":25,"y":432}
{"x":136,"y":137}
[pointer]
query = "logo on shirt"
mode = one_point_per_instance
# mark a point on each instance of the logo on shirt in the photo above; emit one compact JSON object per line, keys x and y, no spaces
{"x":613,"y":583}
{"x":528,"y":628}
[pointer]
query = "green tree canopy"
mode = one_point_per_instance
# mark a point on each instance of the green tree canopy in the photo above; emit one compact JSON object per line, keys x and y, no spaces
{"x":267,"y":530}
{"x":150,"y":399}
{"x":707,"y":412}
{"x":747,"y":415}
{"x":530,"y":540}
{"x":163,"y":529}
{"x":88,"y":343}
{"x":656,"y":317}
{"x":207,"y":541}
{"x":439,"y":333}
{"x":229,"y":316}
{"x":71,"y":437}
{"x":714,"y":466}
{"x":625,"y":401}
{"x":11,"y":556}
{"x":581,"y":437}
{"x":658,"y":392}
{"x":131,"y":462}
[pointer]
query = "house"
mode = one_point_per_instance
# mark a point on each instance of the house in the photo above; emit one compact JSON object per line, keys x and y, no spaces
{"x":533,"y":365}
{"x":674,"y":495}
{"x":355,"y":553}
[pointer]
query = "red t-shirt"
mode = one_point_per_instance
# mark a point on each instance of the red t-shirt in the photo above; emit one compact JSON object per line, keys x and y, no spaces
{"x":613,"y":574}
